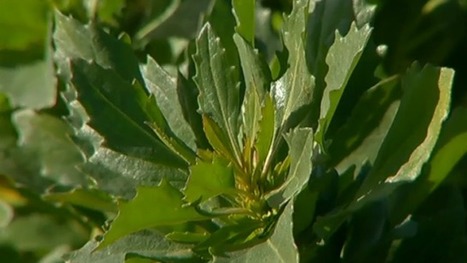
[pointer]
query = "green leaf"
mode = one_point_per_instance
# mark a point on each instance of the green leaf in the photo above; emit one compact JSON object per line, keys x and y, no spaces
{"x":450,"y":149}
{"x":117,"y":111}
{"x":144,"y":243}
{"x":244,"y":12}
{"x":120,"y":175}
{"x":42,"y":232}
{"x":408,"y":144}
{"x":300,"y":143}
{"x":39,"y":153}
{"x":358,"y":141}
{"x":75,"y":41}
{"x":231,"y":237}
{"x":266,"y":130}
{"x":92,"y":199}
{"x":217,"y":138}
{"x":416,"y":126}
{"x":341,"y":59}
{"x":181,"y":19}
{"x":257,"y":80}
{"x":30,"y":85}
{"x":295,"y":88}
{"x":256,"y":72}
{"x":24,"y":23}
{"x":325,"y":19}
{"x":188,"y":94}
{"x":209,"y":179}
{"x":6,"y":214}
{"x":152,"y":207}
{"x":441,"y":217}
{"x":364,"y":11}
{"x":280,"y":247}
{"x":218,"y":85}
{"x":164,"y":89}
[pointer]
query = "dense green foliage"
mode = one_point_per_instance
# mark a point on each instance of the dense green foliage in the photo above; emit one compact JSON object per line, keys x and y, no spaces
{"x":232,"y":131}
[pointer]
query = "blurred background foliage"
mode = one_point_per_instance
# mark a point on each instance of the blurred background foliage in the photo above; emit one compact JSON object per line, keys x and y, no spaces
{"x":34,"y":230}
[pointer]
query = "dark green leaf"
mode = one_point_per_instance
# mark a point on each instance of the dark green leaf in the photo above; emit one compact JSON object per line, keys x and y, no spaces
{"x":416,"y":126}
{"x":359,"y":139}
{"x":413,"y":134}
{"x":450,"y":149}
{"x":117,"y":111}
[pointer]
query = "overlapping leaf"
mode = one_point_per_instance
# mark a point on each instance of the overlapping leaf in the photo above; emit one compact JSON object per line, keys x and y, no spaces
{"x":218,"y":85}
{"x":409,"y":141}
{"x":164,"y":89}
{"x":280,"y":247}
{"x":300,"y":143}
{"x":117,"y":112}
{"x":145,"y":244}
{"x":152,"y":207}
{"x":295,"y":88}
{"x":209,"y":179}
{"x":341,"y":59}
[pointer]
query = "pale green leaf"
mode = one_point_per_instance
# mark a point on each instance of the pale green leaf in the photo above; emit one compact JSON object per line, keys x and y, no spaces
{"x":325,"y":19}
{"x":164,"y":88}
{"x":364,"y":11}
{"x":244,"y":12}
{"x":31,"y":85}
{"x":280,"y":247}
{"x":151,"y":207}
{"x":218,"y":85}
{"x":300,"y":143}
{"x":89,"y":198}
{"x":120,"y":175}
{"x":341,"y":59}
{"x":6,"y":214}
{"x":251,"y":115}
{"x":209,"y":179}
{"x":36,"y":151}
{"x":75,"y":41}
{"x":42,"y":232}
{"x":144,"y":244}
{"x":256,"y":72}
{"x":295,"y":88}
{"x":257,"y":80}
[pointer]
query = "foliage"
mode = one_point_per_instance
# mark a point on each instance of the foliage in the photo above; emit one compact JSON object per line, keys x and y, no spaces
{"x":218,"y":131}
